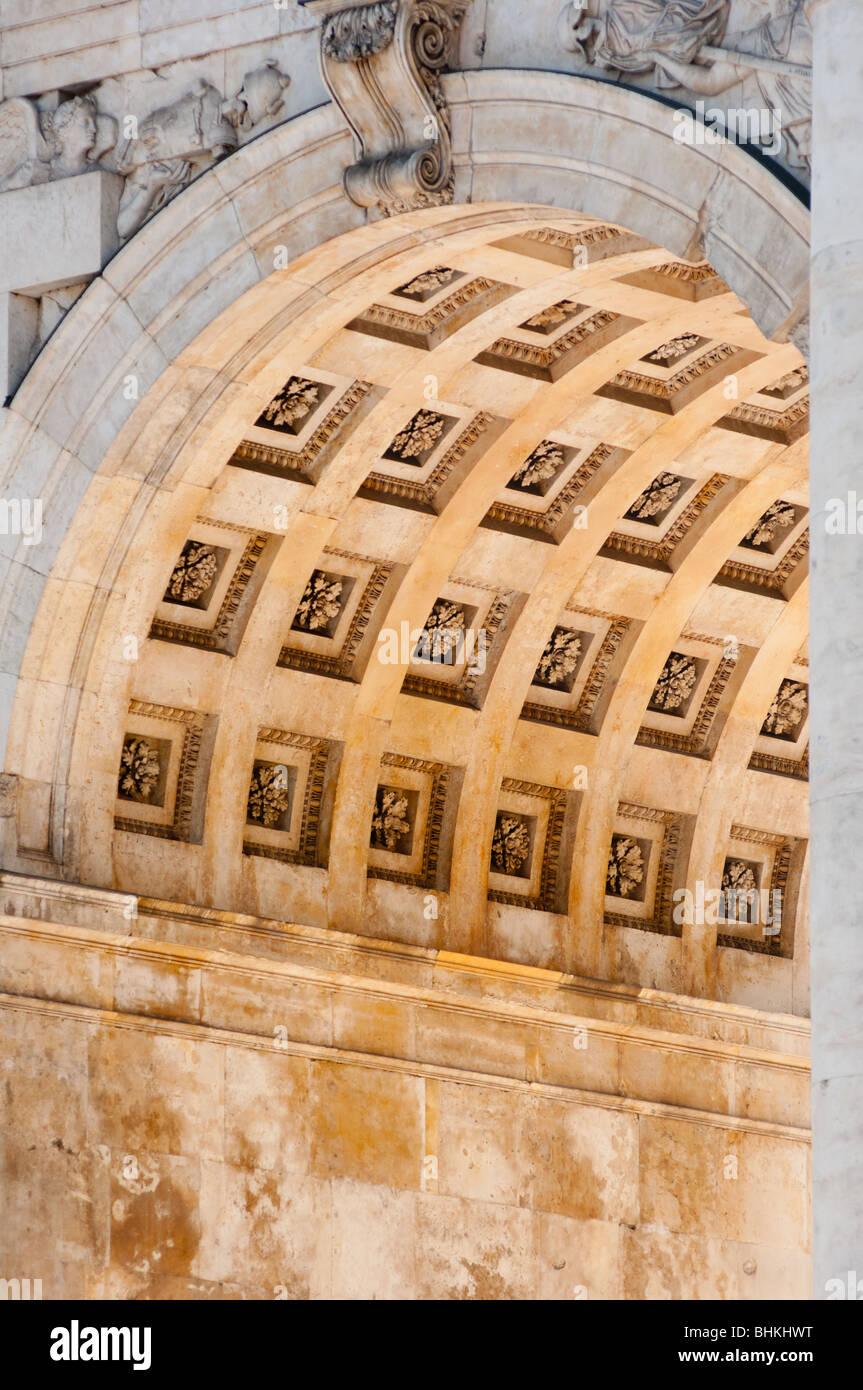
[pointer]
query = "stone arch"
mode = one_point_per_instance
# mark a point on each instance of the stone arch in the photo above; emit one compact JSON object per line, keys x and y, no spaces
{"x":611,"y":151}
{"x":524,"y":1089}
{"x":192,"y":309}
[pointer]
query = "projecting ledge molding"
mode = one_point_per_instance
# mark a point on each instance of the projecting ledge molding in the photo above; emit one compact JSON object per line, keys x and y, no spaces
{"x":193,"y":1032}
{"x":507,"y":985}
{"x":422,"y":1024}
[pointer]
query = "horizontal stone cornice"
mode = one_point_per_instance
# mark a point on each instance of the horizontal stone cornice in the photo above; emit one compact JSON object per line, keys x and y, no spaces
{"x":409,"y":1067}
{"x":349,"y":954}
{"x":229,"y":973}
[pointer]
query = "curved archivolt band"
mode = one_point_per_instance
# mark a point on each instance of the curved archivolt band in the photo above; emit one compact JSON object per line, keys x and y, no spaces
{"x":270,"y":457}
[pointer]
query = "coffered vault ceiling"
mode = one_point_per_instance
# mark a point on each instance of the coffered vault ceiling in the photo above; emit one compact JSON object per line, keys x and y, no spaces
{"x":578,"y":451}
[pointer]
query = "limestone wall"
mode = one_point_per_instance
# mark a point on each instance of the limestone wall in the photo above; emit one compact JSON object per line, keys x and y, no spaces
{"x":203,"y":1105}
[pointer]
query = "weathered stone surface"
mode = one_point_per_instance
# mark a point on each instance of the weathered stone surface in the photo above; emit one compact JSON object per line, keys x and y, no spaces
{"x":187,"y":1161}
{"x":408,"y":781}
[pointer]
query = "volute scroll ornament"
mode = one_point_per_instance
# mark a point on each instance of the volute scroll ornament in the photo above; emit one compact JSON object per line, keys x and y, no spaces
{"x":382,"y":64}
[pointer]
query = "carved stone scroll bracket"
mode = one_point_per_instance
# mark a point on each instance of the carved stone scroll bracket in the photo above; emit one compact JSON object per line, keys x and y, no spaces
{"x":382,"y":64}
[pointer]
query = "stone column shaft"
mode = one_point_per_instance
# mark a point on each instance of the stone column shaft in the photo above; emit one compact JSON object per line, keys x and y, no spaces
{"x":837,"y":643}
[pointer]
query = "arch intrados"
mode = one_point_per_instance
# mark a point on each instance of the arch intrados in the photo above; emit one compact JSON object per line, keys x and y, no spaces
{"x":238,"y":359}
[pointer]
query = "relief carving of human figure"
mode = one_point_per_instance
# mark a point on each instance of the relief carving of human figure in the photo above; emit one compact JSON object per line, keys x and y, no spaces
{"x":706,"y":46}
{"x":36,"y":146}
{"x":178,"y":141}
{"x":156,"y":158}
{"x":624,"y":34}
